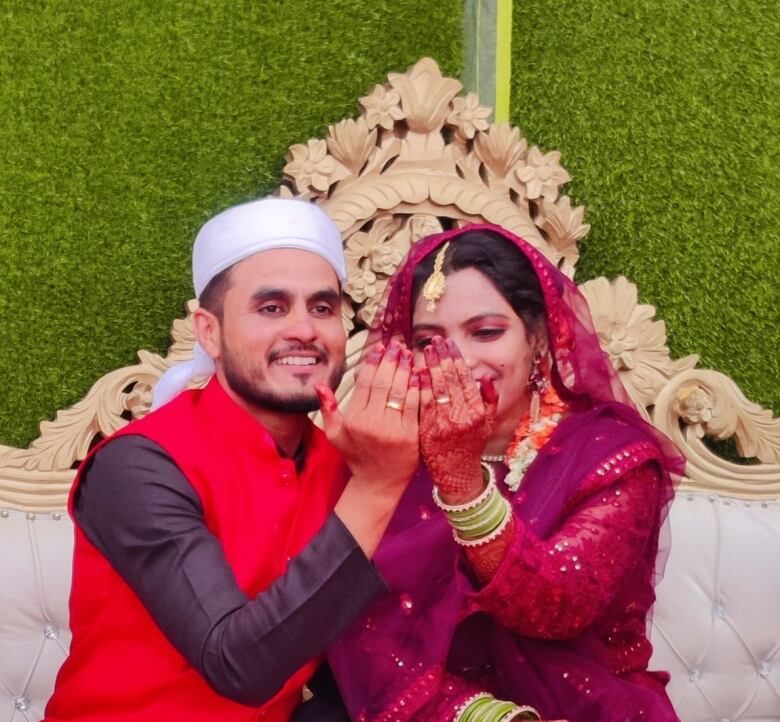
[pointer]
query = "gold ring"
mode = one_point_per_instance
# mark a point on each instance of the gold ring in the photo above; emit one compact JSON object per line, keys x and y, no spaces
{"x":443,"y":400}
{"x":395,"y":405}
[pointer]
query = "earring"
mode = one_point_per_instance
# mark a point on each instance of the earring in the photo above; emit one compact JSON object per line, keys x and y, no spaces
{"x":537,"y":384}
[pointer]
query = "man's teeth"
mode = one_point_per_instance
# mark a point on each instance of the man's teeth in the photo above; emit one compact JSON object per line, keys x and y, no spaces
{"x":297,"y":361}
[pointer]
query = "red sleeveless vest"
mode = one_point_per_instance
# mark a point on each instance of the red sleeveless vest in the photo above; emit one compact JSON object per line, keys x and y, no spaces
{"x":121,"y":667}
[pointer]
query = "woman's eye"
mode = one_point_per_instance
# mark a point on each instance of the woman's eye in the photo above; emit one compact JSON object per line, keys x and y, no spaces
{"x":421,"y":343}
{"x":489,"y":333}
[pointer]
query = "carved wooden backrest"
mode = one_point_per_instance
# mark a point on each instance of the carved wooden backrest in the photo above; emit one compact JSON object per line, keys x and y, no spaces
{"x":419,"y":158}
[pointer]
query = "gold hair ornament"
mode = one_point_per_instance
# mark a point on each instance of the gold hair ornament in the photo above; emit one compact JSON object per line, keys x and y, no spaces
{"x":434,"y":287}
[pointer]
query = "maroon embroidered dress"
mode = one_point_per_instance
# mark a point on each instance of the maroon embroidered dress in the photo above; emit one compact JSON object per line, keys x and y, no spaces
{"x":562,"y":624}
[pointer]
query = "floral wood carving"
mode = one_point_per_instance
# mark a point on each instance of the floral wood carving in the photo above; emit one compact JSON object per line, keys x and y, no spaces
{"x":38,"y":478}
{"x":687,"y":404}
{"x":418,"y":159}
{"x":699,"y":403}
{"x":634,"y":341}
{"x":418,"y":149}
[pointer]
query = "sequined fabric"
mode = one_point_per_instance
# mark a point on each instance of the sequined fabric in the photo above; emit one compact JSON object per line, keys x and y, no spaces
{"x":557,"y":587}
{"x":561,"y":624}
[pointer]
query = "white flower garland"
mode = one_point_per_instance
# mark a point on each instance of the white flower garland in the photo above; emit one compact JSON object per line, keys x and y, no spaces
{"x":526,"y":451}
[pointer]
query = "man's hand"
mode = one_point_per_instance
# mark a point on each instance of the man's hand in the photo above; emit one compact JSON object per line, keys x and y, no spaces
{"x":377,"y":434}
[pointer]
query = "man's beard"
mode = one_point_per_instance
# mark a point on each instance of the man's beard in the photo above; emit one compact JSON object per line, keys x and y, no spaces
{"x":247,"y":386}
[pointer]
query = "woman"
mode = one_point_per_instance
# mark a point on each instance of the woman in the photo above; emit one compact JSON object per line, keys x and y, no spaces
{"x":527,"y":576}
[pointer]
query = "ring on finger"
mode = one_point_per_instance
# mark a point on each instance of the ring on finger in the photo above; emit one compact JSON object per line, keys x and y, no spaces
{"x":395,"y":405}
{"x":442,"y":399}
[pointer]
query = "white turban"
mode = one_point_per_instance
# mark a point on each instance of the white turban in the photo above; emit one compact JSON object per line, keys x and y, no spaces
{"x":236,"y":234}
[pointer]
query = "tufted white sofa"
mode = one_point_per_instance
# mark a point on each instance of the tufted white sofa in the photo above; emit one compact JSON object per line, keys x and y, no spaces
{"x":716,"y":625}
{"x":35,"y":565}
{"x":394,"y":175}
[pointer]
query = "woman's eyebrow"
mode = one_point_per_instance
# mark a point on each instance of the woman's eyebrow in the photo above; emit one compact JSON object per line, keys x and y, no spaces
{"x":467,"y":322}
{"x":426,"y":327}
{"x":488,"y":314}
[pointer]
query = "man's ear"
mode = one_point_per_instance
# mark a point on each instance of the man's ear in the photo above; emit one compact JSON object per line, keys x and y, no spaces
{"x":207,"y":331}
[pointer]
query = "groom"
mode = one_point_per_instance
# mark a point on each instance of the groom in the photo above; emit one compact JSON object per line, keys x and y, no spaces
{"x":221,"y":544}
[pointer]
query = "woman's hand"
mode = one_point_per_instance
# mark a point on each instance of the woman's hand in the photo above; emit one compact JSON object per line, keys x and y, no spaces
{"x":455,"y":423}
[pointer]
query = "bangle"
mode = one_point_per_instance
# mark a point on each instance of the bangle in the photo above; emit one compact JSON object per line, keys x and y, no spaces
{"x":490,"y":536}
{"x":484,"y":707}
{"x":469,"y":505}
{"x":466,"y":704}
{"x":480,"y":520}
{"x":483,"y":521}
{"x":525,"y":712}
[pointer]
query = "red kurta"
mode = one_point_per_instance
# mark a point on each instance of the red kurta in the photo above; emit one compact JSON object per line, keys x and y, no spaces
{"x":121,"y":667}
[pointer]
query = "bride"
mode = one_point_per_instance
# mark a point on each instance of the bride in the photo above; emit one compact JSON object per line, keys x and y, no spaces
{"x":521,"y":560}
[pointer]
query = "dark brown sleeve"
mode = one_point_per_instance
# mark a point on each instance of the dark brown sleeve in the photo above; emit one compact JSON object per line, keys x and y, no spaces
{"x":135,"y":505}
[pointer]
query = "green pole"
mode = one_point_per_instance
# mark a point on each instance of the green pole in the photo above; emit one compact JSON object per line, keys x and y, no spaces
{"x":487,"y":53}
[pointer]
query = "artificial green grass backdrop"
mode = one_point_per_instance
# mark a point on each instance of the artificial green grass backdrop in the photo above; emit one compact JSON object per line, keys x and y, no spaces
{"x":124,"y":126}
{"x":667,"y":113}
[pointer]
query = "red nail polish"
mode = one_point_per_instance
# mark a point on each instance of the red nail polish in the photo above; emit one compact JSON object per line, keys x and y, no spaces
{"x":488,"y":391}
{"x":452,"y":347}
{"x":375,"y":354}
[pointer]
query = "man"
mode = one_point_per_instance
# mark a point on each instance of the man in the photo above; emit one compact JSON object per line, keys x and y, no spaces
{"x":211,"y":565}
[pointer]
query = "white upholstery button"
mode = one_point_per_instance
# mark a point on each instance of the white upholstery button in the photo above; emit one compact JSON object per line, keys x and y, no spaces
{"x":719,"y":611}
{"x":56,"y":516}
{"x":22,"y":704}
{"x":51,"y":632}
{"x":763,"y":669}
{"x":31,"y":516}
{"x":694,"y":675}
{"x":4,"y":513}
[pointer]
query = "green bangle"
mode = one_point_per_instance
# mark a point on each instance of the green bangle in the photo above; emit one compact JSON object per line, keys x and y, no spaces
{"x":496,"y":512}
{"x":471,"y":713}
{"x":525,"y":713}
{"x":501,"y":710}
{"x":486,"y":526}
{"x":486,"y":708}
{"x":503,"y":522}
{"x":489,"y":509}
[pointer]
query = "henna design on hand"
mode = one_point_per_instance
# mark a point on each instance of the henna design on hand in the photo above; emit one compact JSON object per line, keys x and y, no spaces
{"x":453,"y":434}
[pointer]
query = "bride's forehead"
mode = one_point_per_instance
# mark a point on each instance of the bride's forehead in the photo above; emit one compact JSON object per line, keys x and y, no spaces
{"x":467,"y":293}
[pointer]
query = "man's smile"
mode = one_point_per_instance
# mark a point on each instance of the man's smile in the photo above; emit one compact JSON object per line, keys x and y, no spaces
{"x":296,"y":361}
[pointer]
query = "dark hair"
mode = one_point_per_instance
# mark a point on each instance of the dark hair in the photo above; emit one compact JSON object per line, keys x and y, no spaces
{"x":212,"y":297}
{"x":502,"y":263}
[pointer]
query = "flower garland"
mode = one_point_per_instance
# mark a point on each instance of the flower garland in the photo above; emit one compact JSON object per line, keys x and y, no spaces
{"x":531,"y":435}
